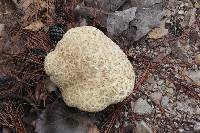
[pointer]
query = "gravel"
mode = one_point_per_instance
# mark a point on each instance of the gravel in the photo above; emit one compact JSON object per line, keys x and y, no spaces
{"x":142,"y":107}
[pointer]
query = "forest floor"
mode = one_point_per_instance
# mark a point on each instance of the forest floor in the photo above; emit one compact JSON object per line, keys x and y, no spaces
{"x":161,"y":38}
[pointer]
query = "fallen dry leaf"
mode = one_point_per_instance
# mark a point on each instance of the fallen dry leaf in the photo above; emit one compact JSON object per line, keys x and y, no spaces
{"x":35,"y":26}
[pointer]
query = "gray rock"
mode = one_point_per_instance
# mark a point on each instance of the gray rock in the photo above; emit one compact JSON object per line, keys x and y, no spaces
{"x":106,"y":5}
{"x":165,"y":101}
{"x":179,"y":50}
{"x":144,"y":3}
{"x":145,"y":20}
{"x":195,"y":76}
{"x":142,"y":107}
{"x":142,"y":127}
{"x":119,"y":21}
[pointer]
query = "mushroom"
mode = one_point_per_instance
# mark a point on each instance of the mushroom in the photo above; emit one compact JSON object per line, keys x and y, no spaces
{"x":91,"y":71}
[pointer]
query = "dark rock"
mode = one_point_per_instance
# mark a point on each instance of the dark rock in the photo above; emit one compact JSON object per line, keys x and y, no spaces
{"x":57,"y":118}
{"x":142,"y":127}
{"x":134,"y":23}
{"x":119,"y":21}
{"x":146,"y":19}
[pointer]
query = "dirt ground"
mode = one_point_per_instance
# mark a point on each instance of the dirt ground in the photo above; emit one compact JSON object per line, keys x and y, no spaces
{"x":161,"y":38}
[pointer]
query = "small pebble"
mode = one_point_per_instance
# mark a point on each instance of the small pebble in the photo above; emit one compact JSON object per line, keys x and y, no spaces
{"x":142,"y":107}
{"x":182,"y":4}
{"x":5,"y":80}
{"x":186,"y":4}
{"x":197,"y":59}
{"x":117,"y":124}
{"x":197,"y":111}
{"x":181,"y":12}
{"x":142,"y":127}
{"x":160,"y":82}
{"x":165,"y":101}
{"x":170,"y":90}
{"x":156,"y":96}
{"x":181,"y":130}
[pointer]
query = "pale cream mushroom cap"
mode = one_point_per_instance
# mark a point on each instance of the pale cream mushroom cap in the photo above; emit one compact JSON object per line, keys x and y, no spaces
{"x":91,"y":71}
